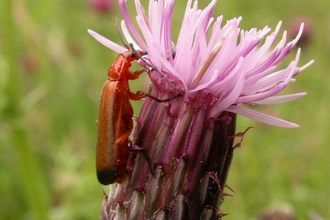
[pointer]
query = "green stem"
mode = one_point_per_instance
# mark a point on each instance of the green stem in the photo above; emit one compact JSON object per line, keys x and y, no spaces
{"x":36,"y":193}
{"x":30,"y":174}
{"x":11,"y":88}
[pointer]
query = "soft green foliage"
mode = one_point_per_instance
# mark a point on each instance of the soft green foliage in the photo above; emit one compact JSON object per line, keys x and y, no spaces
{"x":51,"y":75}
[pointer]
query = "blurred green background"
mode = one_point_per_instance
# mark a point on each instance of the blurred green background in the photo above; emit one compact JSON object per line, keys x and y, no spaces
{"x":51,"y":75}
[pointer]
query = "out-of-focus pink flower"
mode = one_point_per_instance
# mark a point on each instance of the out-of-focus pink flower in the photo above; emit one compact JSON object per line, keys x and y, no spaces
{"x":101,"y":6}
{"x":29,"y":63}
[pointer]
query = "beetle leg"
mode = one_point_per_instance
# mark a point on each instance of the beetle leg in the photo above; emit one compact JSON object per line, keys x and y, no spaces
{"x":135,"y":75}
{"x":144,"y":152}
{"x":127,"y":121}
{"x":162,"y":100}
{"x":136,"y":96}
{"x":139,"y":95}
{"x":123,"y":138}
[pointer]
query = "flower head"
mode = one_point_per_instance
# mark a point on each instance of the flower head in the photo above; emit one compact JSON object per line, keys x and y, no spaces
{"x":235,"y":66}
{"x":220,"y":69}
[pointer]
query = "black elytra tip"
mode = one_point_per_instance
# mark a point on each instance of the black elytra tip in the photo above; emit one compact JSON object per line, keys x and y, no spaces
{"x":107,"y":176}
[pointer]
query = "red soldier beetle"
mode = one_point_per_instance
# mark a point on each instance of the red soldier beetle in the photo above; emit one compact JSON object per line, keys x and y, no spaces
{"x":115,"y":122}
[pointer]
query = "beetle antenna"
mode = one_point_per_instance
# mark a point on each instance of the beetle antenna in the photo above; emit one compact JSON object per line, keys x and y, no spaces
{"x":120,"y":33}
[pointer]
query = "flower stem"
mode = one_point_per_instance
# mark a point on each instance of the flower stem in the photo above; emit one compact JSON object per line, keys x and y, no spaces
{"x":191,"y":154}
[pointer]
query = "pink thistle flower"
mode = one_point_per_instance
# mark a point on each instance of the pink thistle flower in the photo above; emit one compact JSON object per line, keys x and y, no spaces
{"x":235,"y":74}
{"x":222,"y":71}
